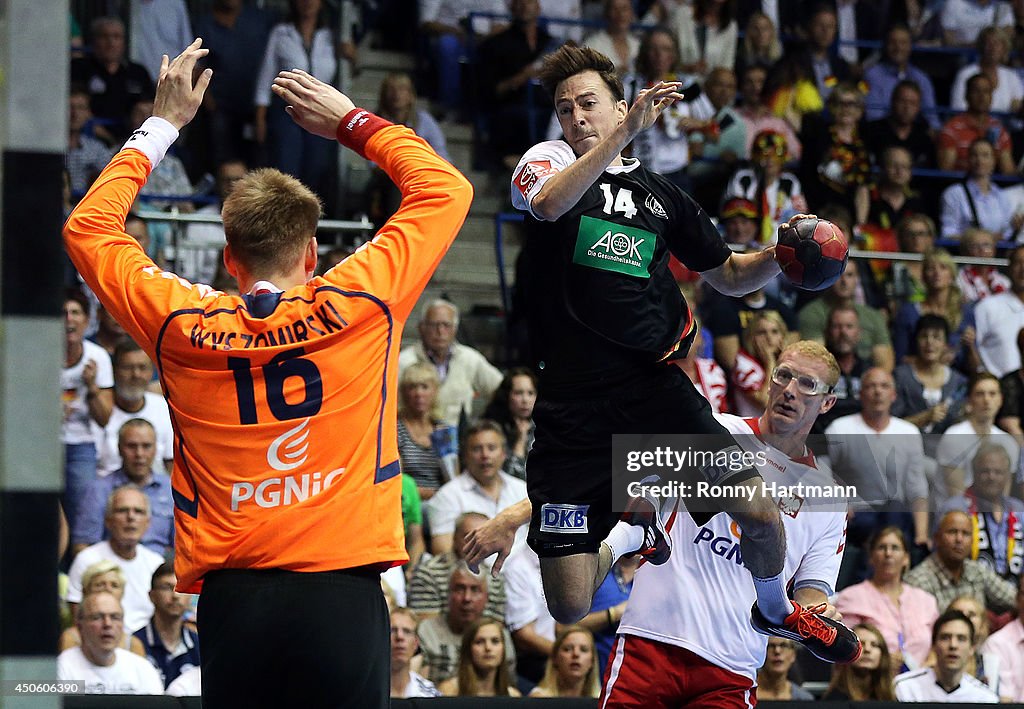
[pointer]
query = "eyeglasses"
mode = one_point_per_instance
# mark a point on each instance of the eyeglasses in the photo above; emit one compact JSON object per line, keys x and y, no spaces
{"x":439,"y":325}
{"x":805,"y":384}
{"x":100,"y":617}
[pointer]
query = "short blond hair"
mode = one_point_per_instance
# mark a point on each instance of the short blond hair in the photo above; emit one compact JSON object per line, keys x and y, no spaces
{"x":93,"y":571}
{"x":269,"y":217}
{"x":815,"y":350}
{"x":419,"y":373}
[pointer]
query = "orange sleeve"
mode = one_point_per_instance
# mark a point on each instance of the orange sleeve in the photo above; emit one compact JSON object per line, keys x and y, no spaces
{"x":397,"y":263}
{"x":133,"y":289}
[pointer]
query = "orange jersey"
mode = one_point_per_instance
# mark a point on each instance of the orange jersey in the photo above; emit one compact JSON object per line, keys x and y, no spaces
{"x":285,"y":425}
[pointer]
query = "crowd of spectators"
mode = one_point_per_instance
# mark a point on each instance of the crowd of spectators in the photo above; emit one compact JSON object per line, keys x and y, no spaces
{"x":790,"y":109}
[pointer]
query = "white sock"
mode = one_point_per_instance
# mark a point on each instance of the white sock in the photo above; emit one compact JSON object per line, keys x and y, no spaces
{"x":772,"y":600}
{"x":624,"y":539}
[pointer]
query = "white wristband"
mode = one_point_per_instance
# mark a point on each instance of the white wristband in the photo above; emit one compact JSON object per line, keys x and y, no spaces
{"x":152,"y":139}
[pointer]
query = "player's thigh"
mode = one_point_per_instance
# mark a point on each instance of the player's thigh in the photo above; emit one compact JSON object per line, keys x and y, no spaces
{"x":569,"y":576}
{"x":635,"y":677}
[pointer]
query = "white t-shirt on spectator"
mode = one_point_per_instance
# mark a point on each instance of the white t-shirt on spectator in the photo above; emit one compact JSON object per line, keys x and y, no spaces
{"x":965,"y":19}
{"x":77,"y":428}
{"x":187,"y":684}
{"x":130,"y":673}
{"x":997,"y":320}
{"x":138,"y":573}
{"x":921,"y":686}
{"x":154,"y":410}
{"x":524,"y":591}
{"x":959,"y":444}
{"x":1009,"y":90}
{"x":464,"y":494}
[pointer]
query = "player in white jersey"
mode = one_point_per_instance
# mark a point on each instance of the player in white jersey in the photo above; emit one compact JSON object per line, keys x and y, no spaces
{"x":689,"y":637}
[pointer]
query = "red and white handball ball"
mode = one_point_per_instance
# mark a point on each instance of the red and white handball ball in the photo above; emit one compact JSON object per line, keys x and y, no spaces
{"x":812,"y":253}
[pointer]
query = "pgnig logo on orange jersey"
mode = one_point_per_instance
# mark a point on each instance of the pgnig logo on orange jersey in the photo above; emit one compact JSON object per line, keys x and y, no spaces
{"x":287,"y":452}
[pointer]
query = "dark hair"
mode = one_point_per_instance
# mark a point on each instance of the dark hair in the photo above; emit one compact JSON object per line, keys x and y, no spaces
{"x":974,"y":78}
{"x":726,"y":15}
{"x":904,"y":84}
{"x":948,"y":617}
{"x":125,"y":345}
{"x":984,"y":140}
{"x":570,"y":60}
{"x":980,"y":377}
{"x":77,"y":295}
{"x":481,"y":426}
{"x":643,"y":67}
{"x":165,"y":569}
{"x":930,"y":321}
{"x":498,"y":408}
{"x":886,"y":531}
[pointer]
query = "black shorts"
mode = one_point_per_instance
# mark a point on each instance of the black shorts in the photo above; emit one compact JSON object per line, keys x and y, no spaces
{"x":569,"y":469}
{"x":276,"y":638}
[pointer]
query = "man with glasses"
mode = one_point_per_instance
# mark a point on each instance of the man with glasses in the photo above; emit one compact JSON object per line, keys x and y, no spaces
{"x":102,"y":666}
{"x":127,"y":519}
{"x":465,"y":373}
{"x":172,"y":647}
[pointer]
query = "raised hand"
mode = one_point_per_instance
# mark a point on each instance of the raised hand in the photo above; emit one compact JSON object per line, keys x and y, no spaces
{"x":177,"y":97}
{"x":317,"y":107}
{"x":650,"y":103}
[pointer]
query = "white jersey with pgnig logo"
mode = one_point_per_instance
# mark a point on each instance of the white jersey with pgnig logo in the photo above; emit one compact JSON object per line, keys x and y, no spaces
{"x":701,"y":599}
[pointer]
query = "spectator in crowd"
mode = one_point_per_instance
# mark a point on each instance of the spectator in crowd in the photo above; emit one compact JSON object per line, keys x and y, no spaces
{"x":891,"y":198}
{"x":920,"y":16}
{"x":707,"y":32}
{"x":398,"y":103}
{"x":983,"y":665}
{"x":786,"y":17}
{"x":99,"y":662}
{"x":997,"y":532}
{"x":108,"y":331}
{"x":977,"y":201}
{"x":841,"y":337}
{"x":158,"y":27}
{"x":773,"y":683}
{"x":482,"y":487}
{"x":136,"y":444}
{"x":113,"y":82}
{"x":963,"y":20}
{"x":705,"y":373}
{"x":1006,"y":645}
{"x":305,"y":42}
{"x":947,"y":682}
{"x":903,"y":127}
{"x":869,"y":678}
{"x":825,"y":64}
{"x":405,"y":683}
{"x":742,"y":225}
{"x":86,"y":156}
{"x":942,"y":298}
{"x":199,"y":253}
{"x":170,"y":645}
{"x":835,"y":160}
{"x":168,"y":178}
{"x":882,"y":455}
{"x":571,"y":10}
{"x":758,"y":115}
{"x":427,"y":447}
{"x":895,"y":67}
{"x":720,"y":143}
{"x":236,"y":34}
{"x":1009,"y":417}
{"x":904,"y":283}
{"x":901,"y":614}
{"x":977,"y":121}
{"x":790,"y":89}
{"x":929,"y":393}
{"x":507,"y":62}
{"x":777,"y":194}
{"x":999,"y":319}
{"x":993,"y":51}
{"x":977,"y":282}
{"x":961,"y":441}
{"x":760,"y":43}
{"x":511,"y":406}
{"x":665,"y":148}
{"x":445,"y":24}
{"x":87,"y":382}
{"x":572,"y":669}
{"x":732,"y":315}
{"x":412,"y":522}
{"x":133,"y":374}
{"x":526,"y":615}
{"x":874,"y":344}
{"x":429,"y":584}
{"x":763,"y":340}
{"x":465,"y":374}
{"x":103,"y":576}
{"x":617,"y":40}
{"x":441,"y":636}
{"x":947,"y":572}
{"x":127,"y":518}
{"x":482,"y":669}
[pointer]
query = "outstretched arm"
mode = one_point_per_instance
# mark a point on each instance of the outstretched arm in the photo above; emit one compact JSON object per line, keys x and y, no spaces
{"x":745,"y":273}
{"x":496,"y":535}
